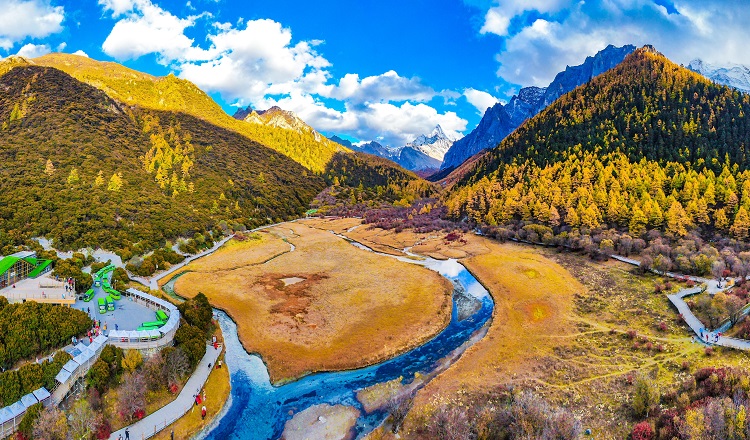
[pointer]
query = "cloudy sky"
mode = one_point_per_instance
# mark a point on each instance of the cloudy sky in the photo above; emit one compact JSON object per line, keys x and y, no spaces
{"x":370,"y":69}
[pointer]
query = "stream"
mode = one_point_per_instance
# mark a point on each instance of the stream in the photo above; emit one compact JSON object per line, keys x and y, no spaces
{"x":258,"y":410}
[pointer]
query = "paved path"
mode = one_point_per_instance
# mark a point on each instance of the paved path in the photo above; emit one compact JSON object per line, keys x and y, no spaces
{"x":153,"y":282}
{"x":677,"y":299}
{"x":155,"y":422}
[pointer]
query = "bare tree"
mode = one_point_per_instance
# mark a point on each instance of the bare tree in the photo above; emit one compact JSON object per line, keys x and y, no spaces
{"x":51,"y":425}
{"x":717,"y":269}
{"x":176,"y":366}
{"x":83,"y":420}
{"x":734,"y":308}
{"x":399,"y":407}
{"x":131,"y":398}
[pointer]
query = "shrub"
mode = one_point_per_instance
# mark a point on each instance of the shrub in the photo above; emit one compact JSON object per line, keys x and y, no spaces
{"x":643,"y":431}
{"x":645,"y":397}
{"x":632,"y":334}
{"x":663,"y":326}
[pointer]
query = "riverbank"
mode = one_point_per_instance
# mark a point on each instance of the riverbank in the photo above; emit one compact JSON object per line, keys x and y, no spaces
{"x":350,"y":309}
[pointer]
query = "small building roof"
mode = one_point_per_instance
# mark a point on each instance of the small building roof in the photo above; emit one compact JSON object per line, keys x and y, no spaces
{"x":71,"y":366}
{"x":29,"y":400}
{"x":17,"y":409}
{"x":63,"y":376}
{"x":5,"y":414}
{"x":41,"y":394}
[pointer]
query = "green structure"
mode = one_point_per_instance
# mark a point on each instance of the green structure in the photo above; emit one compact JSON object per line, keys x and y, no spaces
{"x":17,"y":267}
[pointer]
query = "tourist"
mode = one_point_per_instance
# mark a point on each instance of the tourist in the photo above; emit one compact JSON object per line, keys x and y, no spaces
{"x":127,"y":434}
{"x":203,"y":413}
{"x":171,"y":435}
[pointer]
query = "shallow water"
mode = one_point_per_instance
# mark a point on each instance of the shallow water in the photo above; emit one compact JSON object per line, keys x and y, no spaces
{"x":258,"y":410}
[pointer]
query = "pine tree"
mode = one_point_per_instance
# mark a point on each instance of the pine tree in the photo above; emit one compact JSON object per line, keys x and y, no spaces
{"x":638,"y":222}
{"x":677,"y":219}
{"x":115,"y":182}
{"x":73,"y":176}
{"x":99,"y":181}
{"x":49,"y":169}
{"x":741,"y":224}
{"x":721,"y":221}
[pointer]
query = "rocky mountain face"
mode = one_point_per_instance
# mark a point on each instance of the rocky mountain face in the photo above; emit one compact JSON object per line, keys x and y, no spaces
{"x":412,"y":158}
{"x":501,"y":120}
{"x":277,"y":117}
{"x":734,"y":75}
{"x":425,"y":153}
{"x":435,"y":144}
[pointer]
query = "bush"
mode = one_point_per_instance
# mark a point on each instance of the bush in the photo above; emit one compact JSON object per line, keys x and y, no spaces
{"x":643,"y":431}
{"x":26,"y":427}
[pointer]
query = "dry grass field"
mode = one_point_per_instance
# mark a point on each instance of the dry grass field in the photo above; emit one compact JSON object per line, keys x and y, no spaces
{"x":575,"y":331}
{"x":352,"y":308}
{"x":430,"y":244}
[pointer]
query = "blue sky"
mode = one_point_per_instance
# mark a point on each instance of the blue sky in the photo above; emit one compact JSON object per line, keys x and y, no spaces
{"x":370,"y":69}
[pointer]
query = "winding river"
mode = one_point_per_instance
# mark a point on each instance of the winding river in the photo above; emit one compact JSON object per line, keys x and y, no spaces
{"x":258,"y":410}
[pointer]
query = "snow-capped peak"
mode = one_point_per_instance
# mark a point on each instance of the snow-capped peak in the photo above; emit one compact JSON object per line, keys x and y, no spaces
{"x":732,"y":75}
{"x":435,"y":145}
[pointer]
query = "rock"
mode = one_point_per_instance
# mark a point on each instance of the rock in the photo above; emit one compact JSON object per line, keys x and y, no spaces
{"x":322,"y":422}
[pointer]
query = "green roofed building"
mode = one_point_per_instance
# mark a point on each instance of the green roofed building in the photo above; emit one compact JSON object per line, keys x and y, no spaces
{"x":20,"y":266}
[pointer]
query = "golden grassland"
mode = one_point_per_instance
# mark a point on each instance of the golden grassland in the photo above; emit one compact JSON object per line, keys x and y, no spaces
{"x":431,"y":244}
{"x":560,"y":328}
{"x":353,"y":308}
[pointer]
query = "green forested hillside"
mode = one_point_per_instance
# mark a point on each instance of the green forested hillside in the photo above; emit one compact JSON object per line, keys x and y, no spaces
{"x":360,"y":181}
{"x":173,"y":94}
{"x":647,"y":107}
{"x":85,"y":170}
{"x":647,"y":145}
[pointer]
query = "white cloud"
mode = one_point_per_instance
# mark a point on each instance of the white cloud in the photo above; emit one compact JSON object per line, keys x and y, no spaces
{"x":21,"y":19}
{"x":81,"y":53}
{"x":498,"y":18}
{"x":564,"y":32}
{"x":391,"y":124}
{"x":147,"y":28}
{"x":257,"y":62}
{"x":381,"y":88}
{"x":34,"y":50}
{"x":480,"y":100}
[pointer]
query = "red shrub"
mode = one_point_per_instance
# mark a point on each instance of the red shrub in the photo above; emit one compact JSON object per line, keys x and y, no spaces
{"x":663,"y":326}
{"x":632,"y":334}
{"x":709,"y":351}
{"x":690,"y":283}
{"x":104,"y":430}
{"x":643,"y":431}
{"x":667,"y":286}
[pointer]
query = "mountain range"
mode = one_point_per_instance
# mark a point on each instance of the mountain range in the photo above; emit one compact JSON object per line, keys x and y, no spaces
{"x":736,"y":75}
{"x":646,"y":144}
{"x":170,"y":93}
{"x":87,"y":170}
{"x":276,"y":117}
{"x":501,"y":119}
{"x":424,"y":154}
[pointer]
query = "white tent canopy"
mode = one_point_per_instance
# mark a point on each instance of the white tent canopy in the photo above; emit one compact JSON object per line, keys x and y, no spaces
{"x":29,"y":400}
